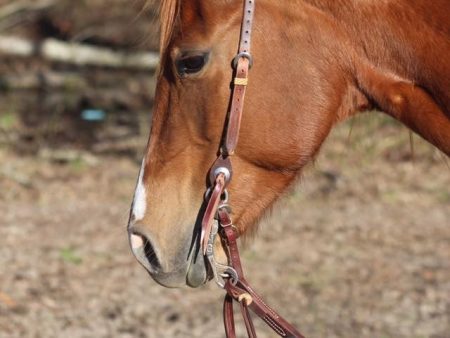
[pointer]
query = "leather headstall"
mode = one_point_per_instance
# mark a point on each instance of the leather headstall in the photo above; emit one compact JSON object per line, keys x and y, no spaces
{"x":216,"y":218}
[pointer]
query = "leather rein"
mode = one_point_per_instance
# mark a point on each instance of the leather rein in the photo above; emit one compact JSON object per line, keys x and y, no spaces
{"x":217,"y":220}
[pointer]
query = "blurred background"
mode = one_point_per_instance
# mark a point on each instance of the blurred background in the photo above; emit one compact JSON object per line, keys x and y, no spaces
{"x":360,"y":249}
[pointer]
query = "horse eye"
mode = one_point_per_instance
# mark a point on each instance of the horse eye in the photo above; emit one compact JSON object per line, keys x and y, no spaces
{"x":191,"y":64}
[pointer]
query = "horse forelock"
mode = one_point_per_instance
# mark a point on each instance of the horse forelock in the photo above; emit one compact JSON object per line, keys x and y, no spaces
{"x":169,"y":11}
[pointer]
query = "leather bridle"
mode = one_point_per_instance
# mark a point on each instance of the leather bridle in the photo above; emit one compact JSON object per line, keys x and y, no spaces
{"x":217,"y":220}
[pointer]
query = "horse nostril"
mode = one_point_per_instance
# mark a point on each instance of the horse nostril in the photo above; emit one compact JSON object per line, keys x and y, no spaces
{"x":144,"y":252}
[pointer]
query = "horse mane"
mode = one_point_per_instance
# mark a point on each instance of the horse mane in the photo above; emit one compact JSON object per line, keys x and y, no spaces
{"x":169,"y":11}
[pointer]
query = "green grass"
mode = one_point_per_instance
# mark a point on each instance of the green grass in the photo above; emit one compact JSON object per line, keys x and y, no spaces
{"x":69,"y":255}
{"x":444,"y":197}
{"x":78,"y":165}
{"x":8,"y":121}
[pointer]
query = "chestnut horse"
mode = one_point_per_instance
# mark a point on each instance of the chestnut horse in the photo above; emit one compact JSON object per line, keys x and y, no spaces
{"x":317,"y":62}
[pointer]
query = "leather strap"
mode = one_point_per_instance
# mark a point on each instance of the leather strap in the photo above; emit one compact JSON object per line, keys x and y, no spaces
{"x":238,"y":289}
{"x":247,"y":319}
{"x":247,"y":26}
{"x":230,"y":236}
{"x":228,"y":316}
{"x":242,"y":65}
{"x":242,"y":291}
{"x":211,"y":210}
{"x":277,"y":323}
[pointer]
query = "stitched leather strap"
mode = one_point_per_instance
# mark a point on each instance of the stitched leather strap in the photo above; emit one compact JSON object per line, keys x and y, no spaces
{"x":242,"y":288}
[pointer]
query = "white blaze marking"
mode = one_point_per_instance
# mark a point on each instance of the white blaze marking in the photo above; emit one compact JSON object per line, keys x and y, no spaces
{"x":140,"y":196}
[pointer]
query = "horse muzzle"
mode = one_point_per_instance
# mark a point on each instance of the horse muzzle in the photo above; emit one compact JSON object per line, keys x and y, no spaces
{"x":186,"y":267}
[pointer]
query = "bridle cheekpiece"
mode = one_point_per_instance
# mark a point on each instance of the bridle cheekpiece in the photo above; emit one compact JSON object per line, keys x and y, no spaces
{"x":217,"y":216}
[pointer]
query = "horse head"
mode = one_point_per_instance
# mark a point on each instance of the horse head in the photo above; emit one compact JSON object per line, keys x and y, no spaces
{"x":281,"y":131}
{"x":307,"y":77}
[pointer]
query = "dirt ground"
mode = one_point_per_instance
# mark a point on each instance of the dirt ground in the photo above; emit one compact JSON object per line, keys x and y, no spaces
{"x":360,"y":249}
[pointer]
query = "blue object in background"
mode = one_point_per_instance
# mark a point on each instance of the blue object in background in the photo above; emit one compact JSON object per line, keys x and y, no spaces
{"x":93,"y":115}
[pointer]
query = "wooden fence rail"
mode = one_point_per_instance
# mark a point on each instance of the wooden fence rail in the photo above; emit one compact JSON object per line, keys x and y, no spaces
{"x":78,"y":54}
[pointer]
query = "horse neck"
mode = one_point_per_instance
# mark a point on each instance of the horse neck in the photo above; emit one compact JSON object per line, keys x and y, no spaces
{"x":397,"y":68}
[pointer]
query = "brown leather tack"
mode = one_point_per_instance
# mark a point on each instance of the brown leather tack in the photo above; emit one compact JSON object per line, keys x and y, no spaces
{"x":237,"y":287}
{"x":257,"y":306}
